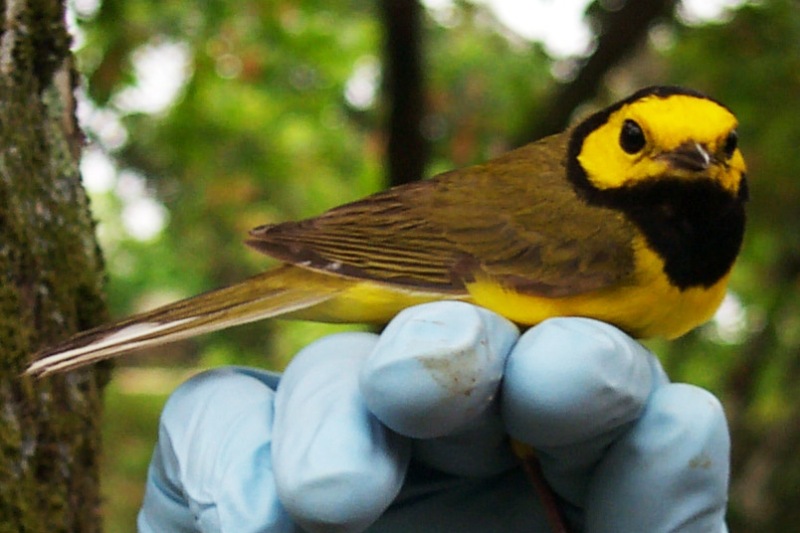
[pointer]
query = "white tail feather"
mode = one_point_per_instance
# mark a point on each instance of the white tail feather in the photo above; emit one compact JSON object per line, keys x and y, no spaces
{"x":263,"y":296}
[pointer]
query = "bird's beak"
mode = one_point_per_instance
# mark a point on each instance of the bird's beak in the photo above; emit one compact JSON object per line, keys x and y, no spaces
{"x":689,"y":157}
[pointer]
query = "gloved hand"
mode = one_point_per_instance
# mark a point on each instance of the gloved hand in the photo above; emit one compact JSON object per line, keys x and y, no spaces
{"x":408,"y":431}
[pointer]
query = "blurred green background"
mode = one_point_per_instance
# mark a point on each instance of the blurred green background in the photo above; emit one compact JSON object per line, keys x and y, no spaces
{"x":206,"y":118}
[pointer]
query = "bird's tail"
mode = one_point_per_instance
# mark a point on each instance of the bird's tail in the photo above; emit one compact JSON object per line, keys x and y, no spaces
{"x":275,"y":292}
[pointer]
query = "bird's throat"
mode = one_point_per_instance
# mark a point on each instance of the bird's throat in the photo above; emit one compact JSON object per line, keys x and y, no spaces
{"x":696,"y":227}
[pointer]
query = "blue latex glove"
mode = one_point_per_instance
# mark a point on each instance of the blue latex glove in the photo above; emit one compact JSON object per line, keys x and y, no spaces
{"x":408,"y":432}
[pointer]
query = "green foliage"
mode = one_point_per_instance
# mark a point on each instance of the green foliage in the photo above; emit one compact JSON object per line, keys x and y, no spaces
{"x":479,"y":79}
{"x":133,"y":402}
{"x":260,"y":133}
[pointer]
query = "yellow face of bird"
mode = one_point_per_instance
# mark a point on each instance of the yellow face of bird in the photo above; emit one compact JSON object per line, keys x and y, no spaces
{"x":680,"y":136}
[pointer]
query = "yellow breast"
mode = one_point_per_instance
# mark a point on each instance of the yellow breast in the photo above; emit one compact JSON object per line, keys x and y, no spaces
{"x":645,"y":306}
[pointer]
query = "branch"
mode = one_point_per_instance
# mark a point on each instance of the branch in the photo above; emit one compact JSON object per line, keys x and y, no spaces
{"x":407,"y":149}
{"x":619,"y":33}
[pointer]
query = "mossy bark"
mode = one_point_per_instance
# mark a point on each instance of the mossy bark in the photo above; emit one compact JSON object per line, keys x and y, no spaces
{"x":50,"y":281}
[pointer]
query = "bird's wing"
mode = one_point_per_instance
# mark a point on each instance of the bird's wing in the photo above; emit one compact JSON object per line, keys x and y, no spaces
{"x":515,"y":220}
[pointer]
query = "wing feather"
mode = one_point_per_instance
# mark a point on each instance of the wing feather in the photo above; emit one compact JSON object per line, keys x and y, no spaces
{"x":516,"y":220}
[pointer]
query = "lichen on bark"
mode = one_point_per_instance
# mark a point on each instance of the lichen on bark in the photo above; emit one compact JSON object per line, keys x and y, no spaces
{"x":50,"y":281}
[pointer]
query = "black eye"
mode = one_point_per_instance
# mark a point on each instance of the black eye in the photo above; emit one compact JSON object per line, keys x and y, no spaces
{"x":631,"y":138}
{"x":731,"y":142}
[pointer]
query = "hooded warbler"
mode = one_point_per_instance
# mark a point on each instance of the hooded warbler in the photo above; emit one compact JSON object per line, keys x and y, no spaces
{"x":634,"y":217}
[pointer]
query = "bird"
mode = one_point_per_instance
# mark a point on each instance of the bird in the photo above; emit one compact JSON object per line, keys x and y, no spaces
{"x":634,"y":216}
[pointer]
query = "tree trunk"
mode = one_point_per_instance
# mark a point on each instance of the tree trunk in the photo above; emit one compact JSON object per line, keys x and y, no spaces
{"x":50,"y":281}
{"x":407,"y":149}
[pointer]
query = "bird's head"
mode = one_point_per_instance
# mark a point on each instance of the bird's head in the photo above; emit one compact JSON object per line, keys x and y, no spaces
{"x":658,"y":133}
